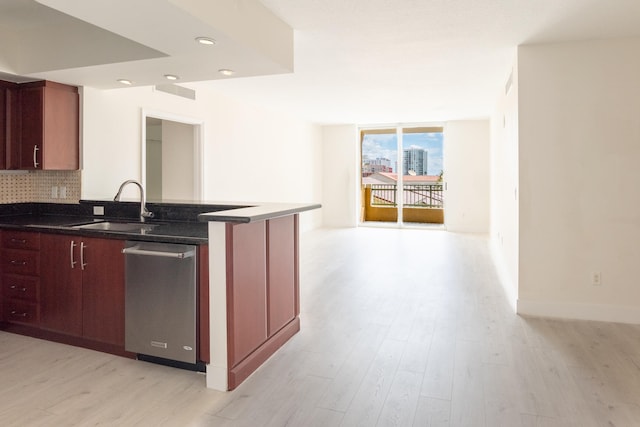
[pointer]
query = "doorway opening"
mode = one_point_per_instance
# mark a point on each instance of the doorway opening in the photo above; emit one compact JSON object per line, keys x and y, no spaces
{"x":171,"y":157}
{"x":402,"y":175}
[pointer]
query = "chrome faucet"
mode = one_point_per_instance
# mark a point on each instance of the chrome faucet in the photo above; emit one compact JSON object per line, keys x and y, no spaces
{"x":144,"y":213}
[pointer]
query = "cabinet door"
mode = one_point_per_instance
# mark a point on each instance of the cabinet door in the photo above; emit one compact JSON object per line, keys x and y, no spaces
{"x":246,"y":297}
{"x":2,"y":298}
{"x":103,"y":290}
{"x":3,"y":126}
{"x":49,"y":126}
{"x":282,"y":289}
{"x":32,"y":127}
{"x":61,"y":284}
{"x":8,"y":125}
{"x":61,"y":145}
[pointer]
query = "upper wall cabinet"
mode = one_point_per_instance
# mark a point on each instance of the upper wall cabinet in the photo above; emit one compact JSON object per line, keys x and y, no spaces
{"x":39,"y":126}
{"x":49,"y":126}
{"x":9,"y":121}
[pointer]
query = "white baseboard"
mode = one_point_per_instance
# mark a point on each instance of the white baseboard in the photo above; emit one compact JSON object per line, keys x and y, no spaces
{"x":577,"y":311}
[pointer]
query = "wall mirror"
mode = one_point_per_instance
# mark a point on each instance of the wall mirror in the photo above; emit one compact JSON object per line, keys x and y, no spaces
{"x":171,"y":166}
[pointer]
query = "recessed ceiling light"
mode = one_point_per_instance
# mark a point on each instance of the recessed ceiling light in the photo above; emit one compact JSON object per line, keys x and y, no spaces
{"x":125,"y":82}
{"x":171,"y":77}
{"x":226,"y":72}
{"x":206,"y":41}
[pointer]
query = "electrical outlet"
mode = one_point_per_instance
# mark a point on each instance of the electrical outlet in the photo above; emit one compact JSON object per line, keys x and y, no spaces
{"x":63,"y":192}
{"x":98,"y":210}
{"x":596,"y":278}
{"x":54,"y":192}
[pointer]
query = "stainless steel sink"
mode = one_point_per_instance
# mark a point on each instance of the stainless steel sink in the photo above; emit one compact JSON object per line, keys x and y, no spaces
{"x":124,"y":227}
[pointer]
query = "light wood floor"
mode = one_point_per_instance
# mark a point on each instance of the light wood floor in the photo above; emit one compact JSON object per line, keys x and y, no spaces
{"x":399,"y":328}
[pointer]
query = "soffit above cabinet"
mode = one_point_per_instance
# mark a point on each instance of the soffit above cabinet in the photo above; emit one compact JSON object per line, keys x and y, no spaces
{"x":98,"y":42}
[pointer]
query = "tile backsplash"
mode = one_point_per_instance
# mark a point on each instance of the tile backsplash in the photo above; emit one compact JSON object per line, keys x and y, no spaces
{"x":40,"y":186}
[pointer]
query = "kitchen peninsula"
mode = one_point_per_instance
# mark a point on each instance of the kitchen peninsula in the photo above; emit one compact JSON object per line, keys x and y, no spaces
{"x":248,"y":298}
{"x":254,"y":284}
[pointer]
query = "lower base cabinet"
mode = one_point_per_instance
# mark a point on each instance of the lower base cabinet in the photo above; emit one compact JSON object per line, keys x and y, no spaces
{"x":82,"y":287}
{"x":71,"y":289}
{"x":262,"y":292}
{"x":20,"y":270}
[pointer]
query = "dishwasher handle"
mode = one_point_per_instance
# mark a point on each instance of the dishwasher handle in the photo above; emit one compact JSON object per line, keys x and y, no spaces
{"x":135,"y":250}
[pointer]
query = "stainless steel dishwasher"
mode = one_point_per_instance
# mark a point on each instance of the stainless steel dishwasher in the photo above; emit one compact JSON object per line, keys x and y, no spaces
{"x":160,"y":302}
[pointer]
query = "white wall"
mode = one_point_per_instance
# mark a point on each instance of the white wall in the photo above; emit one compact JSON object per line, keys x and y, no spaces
{"x":466,"y":166}
{"x":178,"y":181}
{"x":579,"y":145}
{"x":504,"y":211}
{"x":467,"y":172}
{"x":340,"y":176}
{"x":153,"y":179}
{"x":251,"y":154}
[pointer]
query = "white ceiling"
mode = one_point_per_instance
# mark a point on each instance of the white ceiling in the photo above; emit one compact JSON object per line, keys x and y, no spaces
{"x":355,"y":61}
{"x":388,"y":61}
{"x":95,"y":43}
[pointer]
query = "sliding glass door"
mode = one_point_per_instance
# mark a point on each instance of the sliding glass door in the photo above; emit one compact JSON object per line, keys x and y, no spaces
{"x":401,"y":171}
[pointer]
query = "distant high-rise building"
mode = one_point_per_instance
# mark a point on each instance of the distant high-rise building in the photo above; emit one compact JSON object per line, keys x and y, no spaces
{"x":414,"y":159}
{"x":381,"y":161}
{"x":379,"y":164}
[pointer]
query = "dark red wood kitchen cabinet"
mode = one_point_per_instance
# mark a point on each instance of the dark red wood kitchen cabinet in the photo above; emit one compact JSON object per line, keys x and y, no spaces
{"x":20,"y":276}
{"x":262,"y":292}
{"x":3,"y":124}
{"x":103,"y":291}
{"x":49,"y":126}
{"x":9,"y":125}
{"x":282,"y":287}
{"x":61,"y":284}
{"x":246,"y":289}
{"x":82,"y":287}
{"x":203,"y":331}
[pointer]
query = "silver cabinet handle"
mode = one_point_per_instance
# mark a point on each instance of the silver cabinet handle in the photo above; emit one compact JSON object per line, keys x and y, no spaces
{"x":22,"y":289}
{"x":35,"y":157}
{"x":134,"y":250}
{"x":16,"y":314}
{"x":71,"y":256}
{"x":82,"y":263}
{"x":21,"y":241}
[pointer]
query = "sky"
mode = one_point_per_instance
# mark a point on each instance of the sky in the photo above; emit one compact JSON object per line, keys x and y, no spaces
{"x":385,"y":146}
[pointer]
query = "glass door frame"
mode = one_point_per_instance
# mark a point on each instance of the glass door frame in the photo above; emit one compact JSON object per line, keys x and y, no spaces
{"x":400,"y":131}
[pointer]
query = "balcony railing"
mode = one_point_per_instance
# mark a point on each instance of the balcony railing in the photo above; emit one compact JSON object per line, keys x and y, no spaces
{"x":414,"y":195}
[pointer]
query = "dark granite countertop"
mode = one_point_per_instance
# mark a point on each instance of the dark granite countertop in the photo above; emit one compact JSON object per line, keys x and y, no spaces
{"x":169,"y":232}
{"x":173,"y":222}
{"x":259,"y":212}
{"x":168,"y":226}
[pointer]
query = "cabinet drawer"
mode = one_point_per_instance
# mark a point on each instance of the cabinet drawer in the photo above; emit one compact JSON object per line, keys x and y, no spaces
{"x":20,"y":262}
{"x":20,"y":287}
{"x":21,"y":312}
{"x":20,"y":240}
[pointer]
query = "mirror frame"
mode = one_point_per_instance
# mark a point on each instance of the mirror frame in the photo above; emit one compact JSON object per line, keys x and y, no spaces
{"x":198,"y":147}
